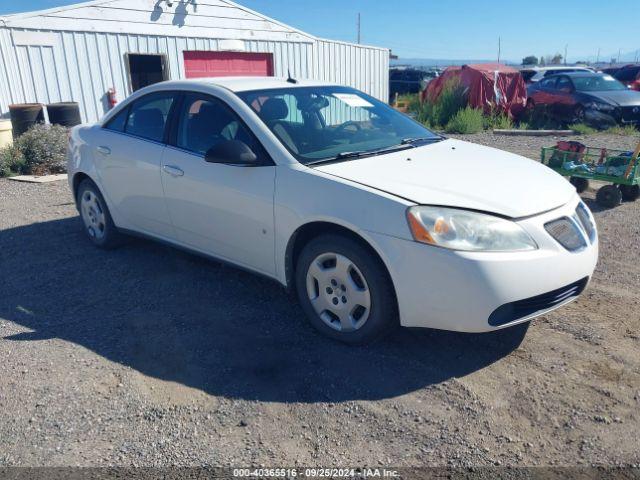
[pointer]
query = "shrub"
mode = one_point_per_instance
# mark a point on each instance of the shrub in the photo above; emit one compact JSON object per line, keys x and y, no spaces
{"x":622,"y":130}
{"x":11,"y":161}
{"x":436,"y":114}
{"x":452,"y":99}
{"x":538,"y":118}
{"x":468,"y":120}
{"x":498,"y":119}
{"x":44,"y":148}
{"x":582,"y":128}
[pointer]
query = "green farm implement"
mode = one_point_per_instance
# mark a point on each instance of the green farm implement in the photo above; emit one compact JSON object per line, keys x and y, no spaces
{"x":619,"y":169}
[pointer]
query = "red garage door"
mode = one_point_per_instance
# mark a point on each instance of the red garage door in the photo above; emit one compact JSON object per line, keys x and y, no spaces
{"x":227,"y":64}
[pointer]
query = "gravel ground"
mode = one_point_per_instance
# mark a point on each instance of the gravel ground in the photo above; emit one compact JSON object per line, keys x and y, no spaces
{"x":149,"y":356}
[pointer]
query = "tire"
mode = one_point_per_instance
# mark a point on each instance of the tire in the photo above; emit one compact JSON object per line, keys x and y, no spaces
{"x":630,"y":193}
{"x":344,"y":290}
{"x":578,"y":114}
{"x":609,"y":196}
{"x":580,"y":183}
{"x":95,"y":216}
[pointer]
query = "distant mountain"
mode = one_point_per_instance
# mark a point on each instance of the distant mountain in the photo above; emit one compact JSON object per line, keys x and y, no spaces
{"x":441,"y":62}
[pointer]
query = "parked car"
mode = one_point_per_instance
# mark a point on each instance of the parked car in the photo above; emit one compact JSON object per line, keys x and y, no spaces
{"x":597,"y":99}
{"x":630,"y":76}
{"x":409,"y":80}
{"x":369,"y":217}
{"x":535,"y":74}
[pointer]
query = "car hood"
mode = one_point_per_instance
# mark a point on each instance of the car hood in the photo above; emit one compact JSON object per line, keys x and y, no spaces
{"x":461,"y":174}
{"x":622,"y":98}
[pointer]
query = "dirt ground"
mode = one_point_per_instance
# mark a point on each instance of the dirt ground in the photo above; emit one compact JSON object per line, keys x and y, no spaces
{"x":149,"y":356}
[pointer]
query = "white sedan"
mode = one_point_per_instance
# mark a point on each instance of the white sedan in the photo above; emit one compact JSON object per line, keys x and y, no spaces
{"x":373,"y":220}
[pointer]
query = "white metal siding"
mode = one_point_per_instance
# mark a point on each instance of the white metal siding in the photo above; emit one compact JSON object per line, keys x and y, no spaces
{"x":85,"y":49}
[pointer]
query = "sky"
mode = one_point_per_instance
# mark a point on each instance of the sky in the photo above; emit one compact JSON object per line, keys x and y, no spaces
{"x":454,"y":29}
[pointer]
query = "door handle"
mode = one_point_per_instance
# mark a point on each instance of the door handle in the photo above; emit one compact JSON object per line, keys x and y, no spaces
{"x":173,"y":171}
{"x":104,"y":150}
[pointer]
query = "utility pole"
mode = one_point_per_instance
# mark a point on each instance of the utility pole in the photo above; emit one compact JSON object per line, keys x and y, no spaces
{"x":358,"y":27}
{"x":499,"y":48}
{"x":619,"y":51}
{"x":565,"y":53}
{"x":598,"y":56}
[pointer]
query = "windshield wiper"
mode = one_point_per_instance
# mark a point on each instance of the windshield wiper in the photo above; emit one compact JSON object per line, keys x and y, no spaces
{"x":360,"y":154}
{"x":414,"y":140}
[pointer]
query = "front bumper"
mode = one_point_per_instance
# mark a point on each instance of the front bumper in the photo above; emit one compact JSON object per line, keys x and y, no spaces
{"x":451,"y":290}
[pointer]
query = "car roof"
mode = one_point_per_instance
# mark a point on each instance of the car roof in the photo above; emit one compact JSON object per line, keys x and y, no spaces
{"x":243,"y":84}
{"x":559,"y":67}
{"x":582,"y":74}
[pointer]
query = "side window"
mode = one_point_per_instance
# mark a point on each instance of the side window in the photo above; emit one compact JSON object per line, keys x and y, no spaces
{"x":205,"y":121}
{"x":548,"y":82}
{"x":564,"y":84}
{"x":148,"y":116}
{"x":118,"y":122}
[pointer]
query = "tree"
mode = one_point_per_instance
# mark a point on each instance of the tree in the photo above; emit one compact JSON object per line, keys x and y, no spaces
{"x":530,"y":60}
{"x":556,"y":59}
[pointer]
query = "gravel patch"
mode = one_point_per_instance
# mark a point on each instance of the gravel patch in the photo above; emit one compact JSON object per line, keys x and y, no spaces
{"x":147,"y":356}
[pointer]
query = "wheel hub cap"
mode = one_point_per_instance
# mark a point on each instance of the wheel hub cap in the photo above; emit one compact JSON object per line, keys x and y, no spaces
{"x":338,"y":292}
{"x":92,"y":214}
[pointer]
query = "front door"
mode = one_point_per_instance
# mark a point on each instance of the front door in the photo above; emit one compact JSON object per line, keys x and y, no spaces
{"x":222,"y":210}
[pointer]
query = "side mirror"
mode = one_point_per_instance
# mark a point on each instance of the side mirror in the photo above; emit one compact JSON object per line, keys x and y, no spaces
{"x":231,"y":152}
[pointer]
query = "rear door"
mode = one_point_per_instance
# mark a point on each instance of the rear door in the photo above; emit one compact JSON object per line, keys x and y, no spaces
{"x":222,"y":210}
{"x":128,"y":155}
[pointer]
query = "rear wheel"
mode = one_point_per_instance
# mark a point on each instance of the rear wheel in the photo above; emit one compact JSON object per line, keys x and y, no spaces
{"x":609,"y":196}
{"x":96,"y":218}
{"x":630,"y":193}
{"x":344,"y":290}
{"x":580,"y":183}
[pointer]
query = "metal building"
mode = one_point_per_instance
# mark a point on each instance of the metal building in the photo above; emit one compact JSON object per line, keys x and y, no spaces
{"x":80,"y":52}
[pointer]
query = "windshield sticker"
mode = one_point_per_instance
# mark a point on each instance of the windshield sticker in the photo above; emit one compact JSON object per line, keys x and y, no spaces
{"x":352,"y":100}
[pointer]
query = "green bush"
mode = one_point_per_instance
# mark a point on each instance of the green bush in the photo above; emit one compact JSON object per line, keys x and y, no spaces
{"x":622,"y":130}
{"x":538,"y":118}
{"x":42,"y":150}
{"x":497,"y":119}
{"x":582,"y":128}
{"x":468,"y":120}
{"x":438,"y":113}
{"x":11,"y":161}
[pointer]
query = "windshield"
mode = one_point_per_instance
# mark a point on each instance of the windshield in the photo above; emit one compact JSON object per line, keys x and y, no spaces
{"x":597,"y":83}
{"x":325,"y":123}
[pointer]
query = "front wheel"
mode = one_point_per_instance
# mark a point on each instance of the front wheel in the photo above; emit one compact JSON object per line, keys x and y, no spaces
{"x":345,"y":290}
{"x":609,"y":196}
{"x":580,"y":183}
{"x":96,"y":218}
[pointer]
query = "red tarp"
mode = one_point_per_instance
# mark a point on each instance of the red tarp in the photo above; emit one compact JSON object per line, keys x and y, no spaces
{"x":488,"y":85}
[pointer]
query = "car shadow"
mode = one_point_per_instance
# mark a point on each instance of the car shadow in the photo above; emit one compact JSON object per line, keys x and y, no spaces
{"x":185,"y":319}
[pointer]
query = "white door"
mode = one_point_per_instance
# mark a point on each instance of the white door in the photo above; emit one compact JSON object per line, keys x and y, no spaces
{"x":223,"y":210}
{"x":128,"y":157}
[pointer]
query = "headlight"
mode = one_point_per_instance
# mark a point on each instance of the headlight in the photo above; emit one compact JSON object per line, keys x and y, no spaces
{"x":466,"y":230}
{"x":603,"y":107}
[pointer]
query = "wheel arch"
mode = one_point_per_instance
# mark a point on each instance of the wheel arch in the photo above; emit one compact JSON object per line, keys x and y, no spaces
{"x":78,"y":177}
{"x":307,"y":232}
